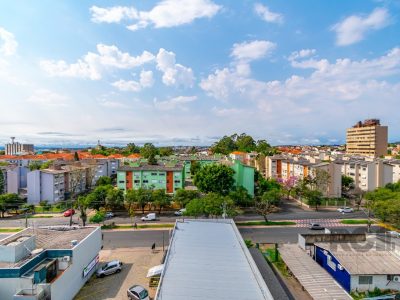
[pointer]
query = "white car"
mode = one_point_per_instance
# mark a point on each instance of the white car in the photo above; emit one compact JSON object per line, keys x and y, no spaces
{"x":109,"y":215}
{"x":149,"y":217}
{"x":180,"y":212}
{"x":137,"y":292}
{"x":394,"y":234}
{"x":109,"y":268}
{"x":345,"y":210}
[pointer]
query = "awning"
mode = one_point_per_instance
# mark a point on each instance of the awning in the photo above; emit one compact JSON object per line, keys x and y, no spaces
{"x":155,"y":271}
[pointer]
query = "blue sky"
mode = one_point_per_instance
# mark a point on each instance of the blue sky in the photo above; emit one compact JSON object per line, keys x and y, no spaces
{"x":191,"y":71}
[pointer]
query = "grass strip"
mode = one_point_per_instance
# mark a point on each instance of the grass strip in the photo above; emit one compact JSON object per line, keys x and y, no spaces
{"x":353,"y":221}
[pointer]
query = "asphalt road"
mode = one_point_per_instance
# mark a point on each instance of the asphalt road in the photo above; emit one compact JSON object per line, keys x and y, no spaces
{"x":126,"y":239}
{"x":289,"y":211}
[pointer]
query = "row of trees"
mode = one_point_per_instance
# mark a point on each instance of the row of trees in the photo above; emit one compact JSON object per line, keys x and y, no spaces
{"x":242,"y":142}
{"x":385,"y":203}
{"x":148,"y":150}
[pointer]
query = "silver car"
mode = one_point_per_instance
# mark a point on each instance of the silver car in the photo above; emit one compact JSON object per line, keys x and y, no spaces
{"x":137,"y":292}
{"x":109,"y":268}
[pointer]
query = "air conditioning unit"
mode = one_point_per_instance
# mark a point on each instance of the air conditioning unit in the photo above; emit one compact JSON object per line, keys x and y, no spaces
{"x":66,"y":258}
{"x":396,"y":278}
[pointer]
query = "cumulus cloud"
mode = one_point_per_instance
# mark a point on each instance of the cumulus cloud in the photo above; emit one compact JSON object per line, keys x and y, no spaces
{"x":264,"y":13}
{"x":8,"y":44}
{"x":248,"y":51}
{"x":146,"y":80}
{"x":113,"y":14}
{"x":112,"y":104}
{"x":173,"y":103}
{"x":173,"y":73}
{"x":303,"y":53}
{"x":166,"y":13}
{"x":45,"y":97}
{"x":93,"y":64}
{"x":354,"y":28}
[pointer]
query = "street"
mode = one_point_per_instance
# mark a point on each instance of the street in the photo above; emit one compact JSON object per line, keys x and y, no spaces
{"x":289,"y":211}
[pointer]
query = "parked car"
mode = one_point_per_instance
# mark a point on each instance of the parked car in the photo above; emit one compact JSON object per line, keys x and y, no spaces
{"x":109,"y":215}
{"x":345,"y":210}
{"x":316,"y":226}
{"x":109,"y":268}
{"x":137,"y":292}
{"x":149,"y":217}
{"x":180,"y":212}
{"x":69,"y":212}
{"x":394,"y":234}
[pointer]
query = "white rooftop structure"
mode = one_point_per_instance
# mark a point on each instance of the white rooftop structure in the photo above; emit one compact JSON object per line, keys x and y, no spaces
{"x":208,"y":259}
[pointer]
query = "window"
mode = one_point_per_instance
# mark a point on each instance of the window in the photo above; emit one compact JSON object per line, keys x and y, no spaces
{"x":136,"y":181}
{"x":177,"y":181}
{"x":365,"y":280}
{"x":145,"y":181}
{"x":121,"y":181}
{"x":153,"y":174}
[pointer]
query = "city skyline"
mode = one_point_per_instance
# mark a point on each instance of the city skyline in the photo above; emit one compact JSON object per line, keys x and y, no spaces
{"x":156,"y":71}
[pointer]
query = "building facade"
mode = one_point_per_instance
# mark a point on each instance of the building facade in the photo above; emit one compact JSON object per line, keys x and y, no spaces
{"x":367,"y":138}
{"x":15,"y":148}
{"x":168,"y":178}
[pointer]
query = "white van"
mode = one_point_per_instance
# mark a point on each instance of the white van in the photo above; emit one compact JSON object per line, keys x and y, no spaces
{"x":149,"y":217}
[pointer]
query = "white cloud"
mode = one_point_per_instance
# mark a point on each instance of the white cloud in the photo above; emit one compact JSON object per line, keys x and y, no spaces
{"x":113,"y":14}
{"x":267,"y":15}
{"x":93,"y":64}
{"x":354,"y":28}
{"x":248,"y":51}
{"x":112,"y":104}
{"x":303,"y":53}
{"x":173,"y":73}
{"x":166,"y":13}
{"x":146,"y":80}
{"x":226,"y":112}
{"x":127,"y":85}
{"x":45,"y":97}
{"x":173,"y":103}
{"x":8,"y":44}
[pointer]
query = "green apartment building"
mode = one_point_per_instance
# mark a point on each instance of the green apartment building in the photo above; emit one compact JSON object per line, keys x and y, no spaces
{"x":168,"y":178}
{"x":244,"y":176}
{"x":203,"y":160}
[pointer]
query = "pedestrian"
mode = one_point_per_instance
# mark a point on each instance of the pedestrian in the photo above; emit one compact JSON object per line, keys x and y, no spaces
{"x":153,"y":247}
{"x":135,"y":225}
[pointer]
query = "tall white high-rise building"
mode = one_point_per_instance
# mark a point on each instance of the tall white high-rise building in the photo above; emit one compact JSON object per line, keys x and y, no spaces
{"x":15,"y":148}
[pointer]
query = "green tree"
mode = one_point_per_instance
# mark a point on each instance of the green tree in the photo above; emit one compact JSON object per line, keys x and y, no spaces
{"x":165,"y":151}
{"x":131,"y":201}
{"x":195,"y":208}
{"x":262,"y":185}
{"x":215,"y":205}
{"x":161,"y":199}
{"x":215,"y":178}
{"x":314,"y":198}
{"x":148,"y":150}
{"x":144,"y":197}
{"x":195,"y":166}
{"x":224,"y":146}
{"x":152,"y":160}
{"x":245,"y":143}
{"x":182,"y":197}
{"x":9,"y":202}
{"x":103,"y":180}
{"x":98,"y":217}
{"x":114,"y":198}
{"x":268,"y":203}
{"x":98,"y":196}
{"x":76,"y":156}
{"x":131,"y":148}
{"x":347,"y":184}
{"x":241,"y":197}
{"x":82,"y":203}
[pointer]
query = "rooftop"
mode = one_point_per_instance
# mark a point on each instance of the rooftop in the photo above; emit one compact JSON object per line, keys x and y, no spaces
{"x":364,"y":258}
{"x":207,"y":259}
{"x":146,"y":167}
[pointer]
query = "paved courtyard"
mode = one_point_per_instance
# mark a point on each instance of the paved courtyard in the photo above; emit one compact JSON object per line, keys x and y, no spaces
{"x":136,"y":262}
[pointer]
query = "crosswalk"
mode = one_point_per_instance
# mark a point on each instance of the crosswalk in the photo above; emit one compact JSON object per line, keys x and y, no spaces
{"x":323,"y":222}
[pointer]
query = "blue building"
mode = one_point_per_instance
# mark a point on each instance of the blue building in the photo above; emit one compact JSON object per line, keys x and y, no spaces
{"x":360,"y":266}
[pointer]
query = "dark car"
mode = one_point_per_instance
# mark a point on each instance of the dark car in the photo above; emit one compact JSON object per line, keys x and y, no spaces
{"x":137,"y":292}
{"x":316,"y":226}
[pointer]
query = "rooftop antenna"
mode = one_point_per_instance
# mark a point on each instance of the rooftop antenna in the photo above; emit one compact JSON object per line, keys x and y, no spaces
{"x":12,"y":139}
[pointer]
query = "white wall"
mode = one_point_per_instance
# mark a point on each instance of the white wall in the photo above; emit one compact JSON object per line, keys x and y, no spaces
{"x":379,"y":281}
{"x":33,"y":184}
{"x":71,"y":281}
{"x":10,"y":286}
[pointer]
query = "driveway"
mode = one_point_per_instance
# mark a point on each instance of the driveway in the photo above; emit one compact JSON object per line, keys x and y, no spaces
{"x":136,"y":262}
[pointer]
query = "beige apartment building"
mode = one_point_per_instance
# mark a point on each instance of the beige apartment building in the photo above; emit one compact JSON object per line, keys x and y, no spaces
{"x":367,"y":138}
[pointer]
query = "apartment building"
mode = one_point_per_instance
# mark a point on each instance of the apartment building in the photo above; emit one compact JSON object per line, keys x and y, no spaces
{"x":15,"y":148}
{"x":167,"y":177}
{"x":367,"y":138}
{"x":58,"y":183}
{"x":396,"y":170}
{"x":281,"y":168}
{"x":367,"y":174}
